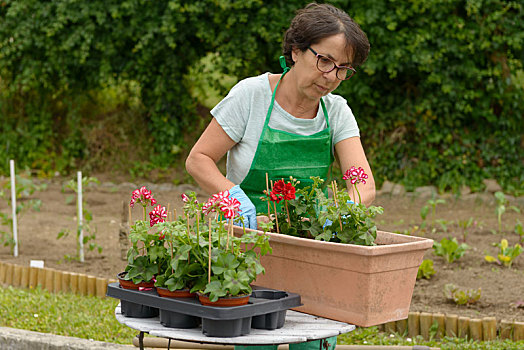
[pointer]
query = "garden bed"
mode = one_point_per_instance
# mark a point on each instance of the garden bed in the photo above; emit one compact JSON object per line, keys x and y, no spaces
{"x":501,"y":287}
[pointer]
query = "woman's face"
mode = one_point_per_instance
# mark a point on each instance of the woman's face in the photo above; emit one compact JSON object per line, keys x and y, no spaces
{"x":312,"y":83}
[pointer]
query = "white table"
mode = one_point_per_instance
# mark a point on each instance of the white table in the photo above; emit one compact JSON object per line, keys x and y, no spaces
{"x":298,"y":328}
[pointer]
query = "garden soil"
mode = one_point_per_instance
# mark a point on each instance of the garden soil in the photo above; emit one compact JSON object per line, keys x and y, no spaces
{"x":502,"y":288}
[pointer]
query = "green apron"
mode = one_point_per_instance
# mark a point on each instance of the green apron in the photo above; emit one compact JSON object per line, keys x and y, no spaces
{"x":282,"y":154}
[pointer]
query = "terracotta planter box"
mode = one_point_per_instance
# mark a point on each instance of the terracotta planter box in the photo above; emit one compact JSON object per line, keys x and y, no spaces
{"x":361,"y":285}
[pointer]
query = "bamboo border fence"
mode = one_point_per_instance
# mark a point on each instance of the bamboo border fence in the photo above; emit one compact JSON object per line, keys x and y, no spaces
{"x":53,"y":280}
{"x":417,"y":323}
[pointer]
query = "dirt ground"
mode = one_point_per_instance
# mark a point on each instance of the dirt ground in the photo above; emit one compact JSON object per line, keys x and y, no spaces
{"x":502,"y":288}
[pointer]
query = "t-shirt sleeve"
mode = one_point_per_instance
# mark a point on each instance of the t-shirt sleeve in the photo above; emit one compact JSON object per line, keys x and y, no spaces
{"x":232,"y":112}
{"x":344,"y":124}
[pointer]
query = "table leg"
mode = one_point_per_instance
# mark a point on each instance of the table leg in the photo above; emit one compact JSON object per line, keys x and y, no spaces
{"x":141,"y":340}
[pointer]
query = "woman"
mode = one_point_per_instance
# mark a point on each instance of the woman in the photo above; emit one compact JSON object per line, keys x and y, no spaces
{"x":288,"y":124}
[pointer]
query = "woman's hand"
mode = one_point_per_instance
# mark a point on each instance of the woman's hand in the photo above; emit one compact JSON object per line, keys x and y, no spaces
{"x":247,"y":208}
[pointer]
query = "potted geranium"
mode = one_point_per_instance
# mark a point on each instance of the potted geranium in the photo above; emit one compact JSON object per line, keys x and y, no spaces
{"x":147,"y":256}
{"x":333,"y":255}
{"x":184,"y":268}
{"x":230,"y":263}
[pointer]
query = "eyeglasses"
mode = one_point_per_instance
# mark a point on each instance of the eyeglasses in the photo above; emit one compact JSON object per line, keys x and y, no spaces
{"x":326,"y":65}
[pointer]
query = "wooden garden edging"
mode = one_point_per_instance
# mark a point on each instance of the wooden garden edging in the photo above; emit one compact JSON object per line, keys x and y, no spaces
{"x":486,"y":328}
{"x":52,"y":280}
{"x":417,"y":323}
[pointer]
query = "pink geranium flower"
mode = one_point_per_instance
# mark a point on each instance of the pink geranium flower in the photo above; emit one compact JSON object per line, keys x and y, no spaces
{"x":142,"y":196}
{"x":230,"y":207}
{"x":158,"y":214}
{"x":355,"y":175}
{"x":212,"y":203}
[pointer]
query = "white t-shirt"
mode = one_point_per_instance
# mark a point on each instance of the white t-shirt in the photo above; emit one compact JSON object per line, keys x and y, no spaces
{"x":242,"y":114}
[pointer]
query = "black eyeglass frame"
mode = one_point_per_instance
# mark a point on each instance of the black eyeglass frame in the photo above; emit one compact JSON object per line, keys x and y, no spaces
{"x":335,"y":66}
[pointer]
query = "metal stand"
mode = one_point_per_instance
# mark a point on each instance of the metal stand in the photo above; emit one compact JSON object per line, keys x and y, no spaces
{"x":298,"y":328}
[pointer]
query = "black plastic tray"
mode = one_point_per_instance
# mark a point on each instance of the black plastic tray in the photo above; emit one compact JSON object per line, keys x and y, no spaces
{"x":266,"y":309}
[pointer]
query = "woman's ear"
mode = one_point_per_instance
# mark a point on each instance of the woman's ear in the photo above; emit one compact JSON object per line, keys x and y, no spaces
{"x":295,"y":53}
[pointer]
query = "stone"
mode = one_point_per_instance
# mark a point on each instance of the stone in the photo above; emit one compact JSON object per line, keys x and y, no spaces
{"x":464,"y":190}
{"x":398,"y":190}
{"x":491,"y":185}
{"x":387,"y":187}
{"x":426,"y":191}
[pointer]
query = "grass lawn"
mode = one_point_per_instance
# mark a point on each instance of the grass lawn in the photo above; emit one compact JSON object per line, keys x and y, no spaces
{"x":93,"y":318}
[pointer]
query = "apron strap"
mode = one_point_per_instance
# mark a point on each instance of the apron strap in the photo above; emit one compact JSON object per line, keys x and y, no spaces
{"x":268,"y":114}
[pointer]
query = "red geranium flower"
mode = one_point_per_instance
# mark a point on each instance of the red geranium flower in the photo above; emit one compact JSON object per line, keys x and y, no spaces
{"x":289,"y":192}
{"x":275,"y":197}
{"x":279,"y":187}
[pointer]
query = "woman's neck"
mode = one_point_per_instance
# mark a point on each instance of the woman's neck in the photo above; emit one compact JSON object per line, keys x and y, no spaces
{"x":289,"y":98}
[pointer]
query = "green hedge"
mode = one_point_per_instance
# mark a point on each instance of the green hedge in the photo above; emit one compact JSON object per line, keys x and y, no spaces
{"x":438,"y":101}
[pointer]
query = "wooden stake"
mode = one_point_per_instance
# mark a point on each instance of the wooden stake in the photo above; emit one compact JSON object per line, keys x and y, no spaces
{"x":66,"y":282}
{"x":209,"y":253}
{"x":426,"y":320}
{"x":275,"y":206}
{"x":518,"y":331}
{"x":413,"y":324}
{"x":101,"y":287}
{"x":91,"y":285}
{"x":505,"y":329}
{"x":475,"y":328}
{"x":402,"y":326}
{"x":451,"y":325}
{"x":390,"y":327}
{"x":463,"y":327}
{"x":268,"y":200}
{"x":440,"y":319}
{"x":227,"y":240}
{"x":24,"y":281}
{"x":168,"y":212}
{"x":489,"y":328}
{"x":174,"y":213}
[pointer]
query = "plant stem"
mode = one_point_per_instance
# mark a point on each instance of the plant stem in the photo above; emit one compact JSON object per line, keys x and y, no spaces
{"x":359,"y":199}
{"x":335,"y":190}
{"x":287,"y":211}
{"x":171,"y":245}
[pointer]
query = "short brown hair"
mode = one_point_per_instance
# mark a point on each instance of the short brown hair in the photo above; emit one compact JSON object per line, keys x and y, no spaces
{"x":318,"y":21}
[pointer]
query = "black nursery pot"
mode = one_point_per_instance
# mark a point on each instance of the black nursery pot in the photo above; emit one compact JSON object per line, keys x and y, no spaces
{"x":272,"y":320}
{"x":177,"y":320}
{"x":226,"y":328}
{"x":130,"y":309}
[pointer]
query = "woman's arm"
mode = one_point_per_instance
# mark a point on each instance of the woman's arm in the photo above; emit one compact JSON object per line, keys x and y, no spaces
{"x":207,"y":151}
{"x":349,"y":152}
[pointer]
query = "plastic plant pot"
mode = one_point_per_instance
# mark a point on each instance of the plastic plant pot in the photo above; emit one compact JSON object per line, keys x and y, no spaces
{"x":166,"y":293}
{"x":128,"y":284}
{"x":224,"y":302}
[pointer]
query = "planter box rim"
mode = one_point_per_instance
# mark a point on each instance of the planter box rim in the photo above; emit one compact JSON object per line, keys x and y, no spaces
{"x":410,"y":243}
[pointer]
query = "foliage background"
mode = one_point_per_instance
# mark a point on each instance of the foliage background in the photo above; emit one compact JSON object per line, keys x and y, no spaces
{"x":125,"y":85}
